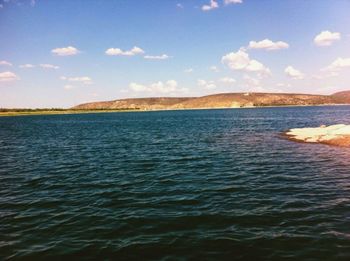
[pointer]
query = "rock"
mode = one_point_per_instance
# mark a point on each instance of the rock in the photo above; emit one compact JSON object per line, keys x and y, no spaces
{"x":338,"y":135}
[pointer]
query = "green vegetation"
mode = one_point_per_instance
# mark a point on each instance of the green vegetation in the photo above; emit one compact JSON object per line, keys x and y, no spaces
{"x":47,"y":111}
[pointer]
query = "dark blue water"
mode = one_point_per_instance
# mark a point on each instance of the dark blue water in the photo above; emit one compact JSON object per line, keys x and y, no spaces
{"x":174,"y":185}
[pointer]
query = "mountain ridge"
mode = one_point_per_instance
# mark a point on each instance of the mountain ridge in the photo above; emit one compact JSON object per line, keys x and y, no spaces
{"x":221,"y":100}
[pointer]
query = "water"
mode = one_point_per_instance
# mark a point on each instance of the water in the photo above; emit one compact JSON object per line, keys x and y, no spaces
{"x":173,"y":185}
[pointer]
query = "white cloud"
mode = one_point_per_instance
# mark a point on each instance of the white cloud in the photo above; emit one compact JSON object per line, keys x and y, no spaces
{"x":227,"y":80}
{"x":68,"y":87}
{"x":137,"y":50}
{"x":189,"y":70}
{"x":139,"y":87}
{"x":84,"y":80}
{"x":179,"y":5}
{"x":1,"y":5}
{"x":338,"y":64}
{"x":48,"y":66}
{"x":254,"y":85}
{"x":240,"y":61}
{"x":26,"y":66}
{"x":214,"y":68}
{"x":32,"y":2}
{"x":5,"y":63}
{"x":159,"y":87}
{"x":43,"y":65}
{"x":326,"y":38}
{"x":281,"y":84}
{"x":65,"y":51}
{"x":268,"y":45}
{"x":208,"y":85}
{"x":8,"y":77}
{"x":227,"y":2}
{"x":255,"y":66}
{"x":265,"y":90}
{"x":212,"y":5}
{"x":294,"y":73}
{"x":157,"y":57}
{"x":325,"y":73}
{"x":116,"y":51}
{"x":251,"y":82}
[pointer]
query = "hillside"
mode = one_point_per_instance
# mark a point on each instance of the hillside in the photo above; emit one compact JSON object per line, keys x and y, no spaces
{"x":136,"y":103}
{"x":224,"y":100}
{"x":342,"y":97}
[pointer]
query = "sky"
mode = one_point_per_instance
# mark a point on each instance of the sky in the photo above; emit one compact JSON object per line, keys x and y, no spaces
{"x":63,"y":53}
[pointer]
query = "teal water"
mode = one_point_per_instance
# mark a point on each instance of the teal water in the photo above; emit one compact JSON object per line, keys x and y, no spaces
{"x":173,"y":185}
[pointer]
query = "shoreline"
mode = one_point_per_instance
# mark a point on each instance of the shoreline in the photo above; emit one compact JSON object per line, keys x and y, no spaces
{"x":73,"y":111}
{"x":57,"y":112}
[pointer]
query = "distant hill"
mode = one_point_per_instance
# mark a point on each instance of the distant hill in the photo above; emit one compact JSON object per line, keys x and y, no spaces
{"x":224,"y":100}
{"x":342,"y":97}
{"x":135,"y":103}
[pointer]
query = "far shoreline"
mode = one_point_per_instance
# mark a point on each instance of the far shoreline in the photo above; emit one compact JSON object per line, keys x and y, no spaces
{"x":43,"y":112}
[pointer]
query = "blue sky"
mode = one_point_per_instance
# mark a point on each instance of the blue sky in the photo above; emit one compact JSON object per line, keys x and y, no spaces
{"x":62,"y":53}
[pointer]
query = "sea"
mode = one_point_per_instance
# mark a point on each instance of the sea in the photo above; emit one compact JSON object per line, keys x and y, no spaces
{"x":221,"y":184}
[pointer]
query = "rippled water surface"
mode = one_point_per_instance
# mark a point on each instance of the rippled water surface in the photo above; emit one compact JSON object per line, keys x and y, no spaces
{"x":203,"y":184}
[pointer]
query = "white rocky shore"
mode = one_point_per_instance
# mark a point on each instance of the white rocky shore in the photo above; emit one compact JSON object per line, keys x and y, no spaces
{"x":338,"y":135}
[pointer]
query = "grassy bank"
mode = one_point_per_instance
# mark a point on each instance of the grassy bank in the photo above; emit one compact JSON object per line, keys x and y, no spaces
{"x":21,"y":112}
